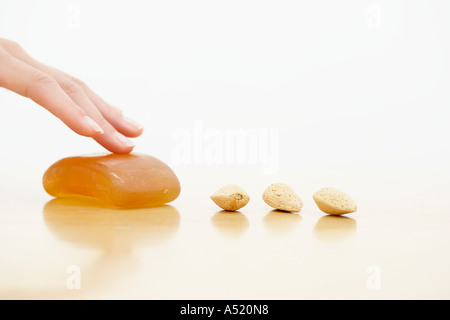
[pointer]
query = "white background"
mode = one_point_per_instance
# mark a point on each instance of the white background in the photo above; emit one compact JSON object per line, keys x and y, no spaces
{"x":352,"y":86}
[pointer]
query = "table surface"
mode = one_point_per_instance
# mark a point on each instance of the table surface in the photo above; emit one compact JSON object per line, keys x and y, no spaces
{"x":395,"y":246}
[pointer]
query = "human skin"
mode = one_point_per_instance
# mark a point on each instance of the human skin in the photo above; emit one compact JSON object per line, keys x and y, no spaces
{"x":66,"y":97}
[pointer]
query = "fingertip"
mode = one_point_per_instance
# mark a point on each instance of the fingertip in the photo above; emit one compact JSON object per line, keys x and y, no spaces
{"x":131,"y":127}
{"x":116,"y":147}
{"x":94,"y":126}
{"x":116,"y":142}
{"x":121,"y":149}
{"x":124,"y":141}
{"x":86,"y":126}
{"x":134,"y":133}
{"x":133,"y":123}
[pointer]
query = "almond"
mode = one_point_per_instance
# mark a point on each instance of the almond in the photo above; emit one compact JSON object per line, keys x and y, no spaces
{"x":333,"y":201}
{"x":280,"y":196}
{"x":230,"y":197}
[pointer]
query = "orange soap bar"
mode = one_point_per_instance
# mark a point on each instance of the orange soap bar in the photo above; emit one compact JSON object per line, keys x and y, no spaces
{"x":118,"y":180}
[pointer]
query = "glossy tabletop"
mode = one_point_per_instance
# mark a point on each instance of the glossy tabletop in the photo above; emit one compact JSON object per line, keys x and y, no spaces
{"x":395,"y":246}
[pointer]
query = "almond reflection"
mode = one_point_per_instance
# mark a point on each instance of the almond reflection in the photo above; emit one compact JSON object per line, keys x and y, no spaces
{"x":334,"y":228}
{"x":280,"y":222}
{"x":230,"y":224}
{"x":84,"y":222}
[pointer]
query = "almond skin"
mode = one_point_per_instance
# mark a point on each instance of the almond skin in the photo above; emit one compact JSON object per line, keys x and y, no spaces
{"x":230,"y":197}
{"x":280,"y":196}
{"x":335,"y":202}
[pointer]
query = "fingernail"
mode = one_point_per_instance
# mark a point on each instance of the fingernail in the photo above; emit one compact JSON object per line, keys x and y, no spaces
{"x":133,"y":123}
{"x":94,"y":125}
{"x":123,"y":140}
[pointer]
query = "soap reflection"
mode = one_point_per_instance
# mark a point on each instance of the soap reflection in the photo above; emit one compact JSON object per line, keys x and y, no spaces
{"x":230,"y":224}
{"x":113,"y":232}
{"x":280,"y":222}
{"x":334,"y":228}
{"x":83,"y":223}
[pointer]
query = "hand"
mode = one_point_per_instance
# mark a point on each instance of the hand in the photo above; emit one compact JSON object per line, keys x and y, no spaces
{"x":67,"y":98}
